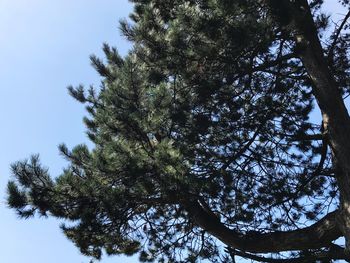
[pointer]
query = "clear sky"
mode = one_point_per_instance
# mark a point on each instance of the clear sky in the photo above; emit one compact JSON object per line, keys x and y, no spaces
{"x":44,"y":47}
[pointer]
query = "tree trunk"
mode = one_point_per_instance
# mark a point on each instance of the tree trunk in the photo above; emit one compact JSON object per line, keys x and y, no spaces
{"x":336,"y":123}
{"x":334,"y":113}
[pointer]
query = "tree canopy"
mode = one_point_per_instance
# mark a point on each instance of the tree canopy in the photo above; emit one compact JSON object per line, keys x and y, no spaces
{"x":203,"y":143}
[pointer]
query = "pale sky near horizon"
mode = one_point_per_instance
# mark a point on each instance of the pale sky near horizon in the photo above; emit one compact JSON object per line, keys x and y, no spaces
{"x":44,"y":47}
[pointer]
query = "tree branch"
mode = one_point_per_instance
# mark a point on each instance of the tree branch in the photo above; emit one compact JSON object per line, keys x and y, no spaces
{"x":334,"y":253}
{"x":318,"y":235}
{"x":336,"y":36}
{"x":307,"y":137}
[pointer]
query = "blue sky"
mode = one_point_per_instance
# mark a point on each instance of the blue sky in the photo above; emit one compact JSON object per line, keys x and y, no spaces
{"x":45,"y":46}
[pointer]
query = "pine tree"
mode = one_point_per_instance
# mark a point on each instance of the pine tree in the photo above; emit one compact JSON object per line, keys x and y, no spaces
{"x":203,"y":143}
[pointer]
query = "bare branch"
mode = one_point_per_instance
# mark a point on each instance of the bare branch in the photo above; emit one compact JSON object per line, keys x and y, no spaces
{"x":336,"y":36}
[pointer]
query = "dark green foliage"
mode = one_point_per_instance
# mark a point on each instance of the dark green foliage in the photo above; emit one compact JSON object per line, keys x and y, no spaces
{"x":211,"y":104}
